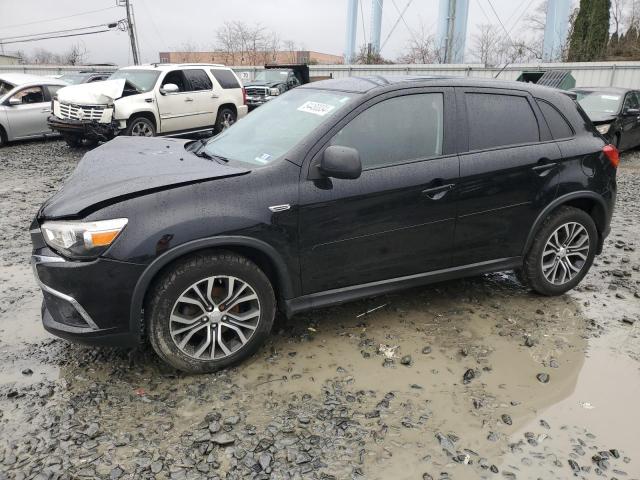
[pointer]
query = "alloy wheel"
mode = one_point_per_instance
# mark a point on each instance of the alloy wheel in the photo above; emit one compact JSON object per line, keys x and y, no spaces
{"x":141,"y":129}
{"x":214,"y":317}
{"x":565,"y":253}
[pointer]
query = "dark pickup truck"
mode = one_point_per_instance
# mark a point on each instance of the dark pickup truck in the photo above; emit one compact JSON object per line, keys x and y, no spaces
{"x":274,"y":80}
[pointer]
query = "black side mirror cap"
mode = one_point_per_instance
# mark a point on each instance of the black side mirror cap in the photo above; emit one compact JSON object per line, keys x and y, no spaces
{"x":340,"y":162}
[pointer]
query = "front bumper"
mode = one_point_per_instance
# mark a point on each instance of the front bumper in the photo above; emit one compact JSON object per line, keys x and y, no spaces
{"x":256,"y":101}
{"x":87,"y":302}
{"x":86,"y":128}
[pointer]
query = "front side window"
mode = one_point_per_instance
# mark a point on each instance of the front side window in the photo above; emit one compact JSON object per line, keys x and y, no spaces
{"x":396,"y":130}
{"x":30,"y":95}
{"x":277,"y":126}
{"x":496,"y":120}
{"x":176,"y":77}
{"x":631,"y":101}
{"x":141,"y":80}
{"x":198,"y":80}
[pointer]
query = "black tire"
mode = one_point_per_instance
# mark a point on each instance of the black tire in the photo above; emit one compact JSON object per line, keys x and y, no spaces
{"x":3,"y":138}
{"x":164,"y":295}
{"x":226,"y":117}
{"x":73,"y":141}
{"x":532,"y":274}
{"x":140,"y":127}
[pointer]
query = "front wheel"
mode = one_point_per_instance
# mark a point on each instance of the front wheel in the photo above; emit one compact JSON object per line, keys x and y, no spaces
{"x":562,"y":252}
{"x":140,"y":127}
{"x":210,"y":311}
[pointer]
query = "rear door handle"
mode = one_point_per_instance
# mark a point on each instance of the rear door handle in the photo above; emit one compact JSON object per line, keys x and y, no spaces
{"x":437,"y":192}
{"x":543,"y":166}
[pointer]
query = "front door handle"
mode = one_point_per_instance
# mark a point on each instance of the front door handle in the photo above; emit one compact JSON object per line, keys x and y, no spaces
{"x":437,"y":192}
{"x":188,"y":99}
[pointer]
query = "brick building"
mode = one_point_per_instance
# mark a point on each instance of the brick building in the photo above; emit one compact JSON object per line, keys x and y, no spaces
{"x":252,"y":58}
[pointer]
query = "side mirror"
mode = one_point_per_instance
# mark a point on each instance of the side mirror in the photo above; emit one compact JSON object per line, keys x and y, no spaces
{"x":13,"y":101}
{"x":340,"y":162}
{"x":632,"y":112}
{"x":169,"y":88}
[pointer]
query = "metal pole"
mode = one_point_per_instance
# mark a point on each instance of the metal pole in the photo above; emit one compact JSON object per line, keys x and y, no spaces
{"x":352,"y":27}
{"x":448,"y":52}
{"x":376,"y":24}
{"x":132,"y":35}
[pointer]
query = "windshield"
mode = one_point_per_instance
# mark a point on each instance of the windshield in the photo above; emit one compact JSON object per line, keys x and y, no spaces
{"x":5,"y":87}
{"x":272,"y":76}
{"x":599,"y":102}
{"x":277,"y":126}
{"x":73,"y":78}
{"x":142,"y":80}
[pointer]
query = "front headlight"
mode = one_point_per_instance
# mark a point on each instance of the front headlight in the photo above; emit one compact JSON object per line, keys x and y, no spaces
{"x":82,"y":240}
{"x":603,"y":129}
{"x":274,"y":91}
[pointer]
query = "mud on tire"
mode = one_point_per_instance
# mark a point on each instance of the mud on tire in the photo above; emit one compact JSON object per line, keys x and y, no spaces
{"x":532,"y":273}
{"x":164,"y":304}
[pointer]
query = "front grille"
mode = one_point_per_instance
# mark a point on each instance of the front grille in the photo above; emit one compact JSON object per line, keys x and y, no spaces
{"x":256,"y":91}
{"x":81,"y":112}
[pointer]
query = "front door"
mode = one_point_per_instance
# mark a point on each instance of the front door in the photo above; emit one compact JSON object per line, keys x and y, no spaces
{"x":630,"y":122}
{"x":177,"y":110}
{"x":506,"y":175}
{"x":29,"y":118}
{"x":398,"y":218}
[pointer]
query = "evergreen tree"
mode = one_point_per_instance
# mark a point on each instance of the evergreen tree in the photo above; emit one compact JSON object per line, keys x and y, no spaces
{"x":590,"y":33}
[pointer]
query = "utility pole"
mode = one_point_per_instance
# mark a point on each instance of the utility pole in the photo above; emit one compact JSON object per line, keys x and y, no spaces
{"x":132,"y":33}
{"x":451,"y":18}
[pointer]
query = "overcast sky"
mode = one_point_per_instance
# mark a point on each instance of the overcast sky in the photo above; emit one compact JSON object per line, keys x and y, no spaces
{"x":167,"y":24}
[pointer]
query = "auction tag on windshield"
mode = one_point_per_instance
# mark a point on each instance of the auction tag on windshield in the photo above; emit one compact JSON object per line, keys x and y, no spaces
{"x":264,"y":158}
{"x":316,"y":108}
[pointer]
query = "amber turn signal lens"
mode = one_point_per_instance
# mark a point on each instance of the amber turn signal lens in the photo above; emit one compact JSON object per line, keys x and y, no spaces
{"x":103,"y":239}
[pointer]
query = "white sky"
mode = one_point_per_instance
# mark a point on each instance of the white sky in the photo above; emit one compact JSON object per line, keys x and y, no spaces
{"x":167,"y":24}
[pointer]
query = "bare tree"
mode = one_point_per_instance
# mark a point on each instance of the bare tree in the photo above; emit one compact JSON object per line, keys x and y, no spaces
{"x":291,"y":51}
{"x":486,"y":45}
{"x":421,"y":48}
{"x":244,"y":44}
{"x":76,"y":55}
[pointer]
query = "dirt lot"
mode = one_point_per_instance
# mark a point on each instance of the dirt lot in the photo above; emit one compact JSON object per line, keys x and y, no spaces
{"x":440,"y":382}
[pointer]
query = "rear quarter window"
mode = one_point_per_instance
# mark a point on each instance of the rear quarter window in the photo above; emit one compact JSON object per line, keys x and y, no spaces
{"x":558,"y":124}
{"x":498,"y":120}
{"x":225,"y":78}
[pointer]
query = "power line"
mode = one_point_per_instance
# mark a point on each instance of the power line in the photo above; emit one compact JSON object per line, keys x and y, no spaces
{"x":55,"y":36}
{"x":57,"y":18}
{"x":54,"y":32}
{"x":395,"y":24}
{"x":500,"y":22}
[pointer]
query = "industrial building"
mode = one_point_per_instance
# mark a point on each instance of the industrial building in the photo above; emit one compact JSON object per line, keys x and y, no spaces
{"x":253,"y":58}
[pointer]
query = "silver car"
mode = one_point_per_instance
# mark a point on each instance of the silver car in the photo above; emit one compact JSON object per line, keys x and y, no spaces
{"x":25,"y":104}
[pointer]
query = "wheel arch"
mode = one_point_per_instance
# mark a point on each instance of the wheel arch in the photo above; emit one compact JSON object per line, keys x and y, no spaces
{"x":4,"y":135}
{"x":145,"y":114}
{"x":588,"y":201}
{"x":230,"y":105}
{"x":259,"y":252}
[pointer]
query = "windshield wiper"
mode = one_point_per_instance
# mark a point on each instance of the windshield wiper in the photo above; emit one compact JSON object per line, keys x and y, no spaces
{"x":202,"y":153}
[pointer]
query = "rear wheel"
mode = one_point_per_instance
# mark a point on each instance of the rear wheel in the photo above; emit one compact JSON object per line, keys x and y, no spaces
{"x":226,"y":118}
{"x":140,"y":127}
{"x":210,"y":311}
{"x":562,"y":252}
{"x":3,"y":138}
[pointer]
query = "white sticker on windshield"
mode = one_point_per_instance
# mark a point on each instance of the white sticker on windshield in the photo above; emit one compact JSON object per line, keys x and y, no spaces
{"x":611,"y":97}
{"x":316,"y":108}
{"x":264,"y":158}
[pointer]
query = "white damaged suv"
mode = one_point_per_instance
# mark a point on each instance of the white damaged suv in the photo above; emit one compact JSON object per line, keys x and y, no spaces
{"x":149,"y":100}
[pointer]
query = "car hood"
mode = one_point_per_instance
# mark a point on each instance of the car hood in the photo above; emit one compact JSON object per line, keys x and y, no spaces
{"x":127,"y":167}
{"x":96,"y":93}
{"x":600,"y":118}
{"x":263,"y":84}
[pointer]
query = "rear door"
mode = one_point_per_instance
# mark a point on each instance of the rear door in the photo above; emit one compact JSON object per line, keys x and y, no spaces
{"x":204,"y":100}
{"x":29,"y":118}
{"x":509,"y":170}
{"x":398,"y":218}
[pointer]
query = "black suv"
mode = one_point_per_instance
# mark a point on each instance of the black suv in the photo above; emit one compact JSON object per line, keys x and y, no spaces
{"x":347,"y":188}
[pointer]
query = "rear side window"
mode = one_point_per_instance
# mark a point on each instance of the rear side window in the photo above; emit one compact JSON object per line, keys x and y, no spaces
{"x":225,"y":78}
{"x":396,"y":130}
{"x":497,"y":120}
{"x":559,"y":126}
{"x":198,"y":79}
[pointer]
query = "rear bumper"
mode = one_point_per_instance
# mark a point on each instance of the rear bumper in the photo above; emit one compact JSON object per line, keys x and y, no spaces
{"x":87,"y":302}
{"x":84,"y":128}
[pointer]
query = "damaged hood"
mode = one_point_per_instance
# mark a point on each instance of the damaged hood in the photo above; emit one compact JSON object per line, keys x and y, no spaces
{"x":131,"y":166}
{"x":97,"y":93}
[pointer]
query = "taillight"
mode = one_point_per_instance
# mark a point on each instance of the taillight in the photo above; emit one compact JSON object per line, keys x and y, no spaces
{"x":244,"y":96}
{"x":612,"y":154}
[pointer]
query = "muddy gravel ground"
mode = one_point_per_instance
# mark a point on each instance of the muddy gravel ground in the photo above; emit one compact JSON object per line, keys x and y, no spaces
{"x":440,"y":382}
